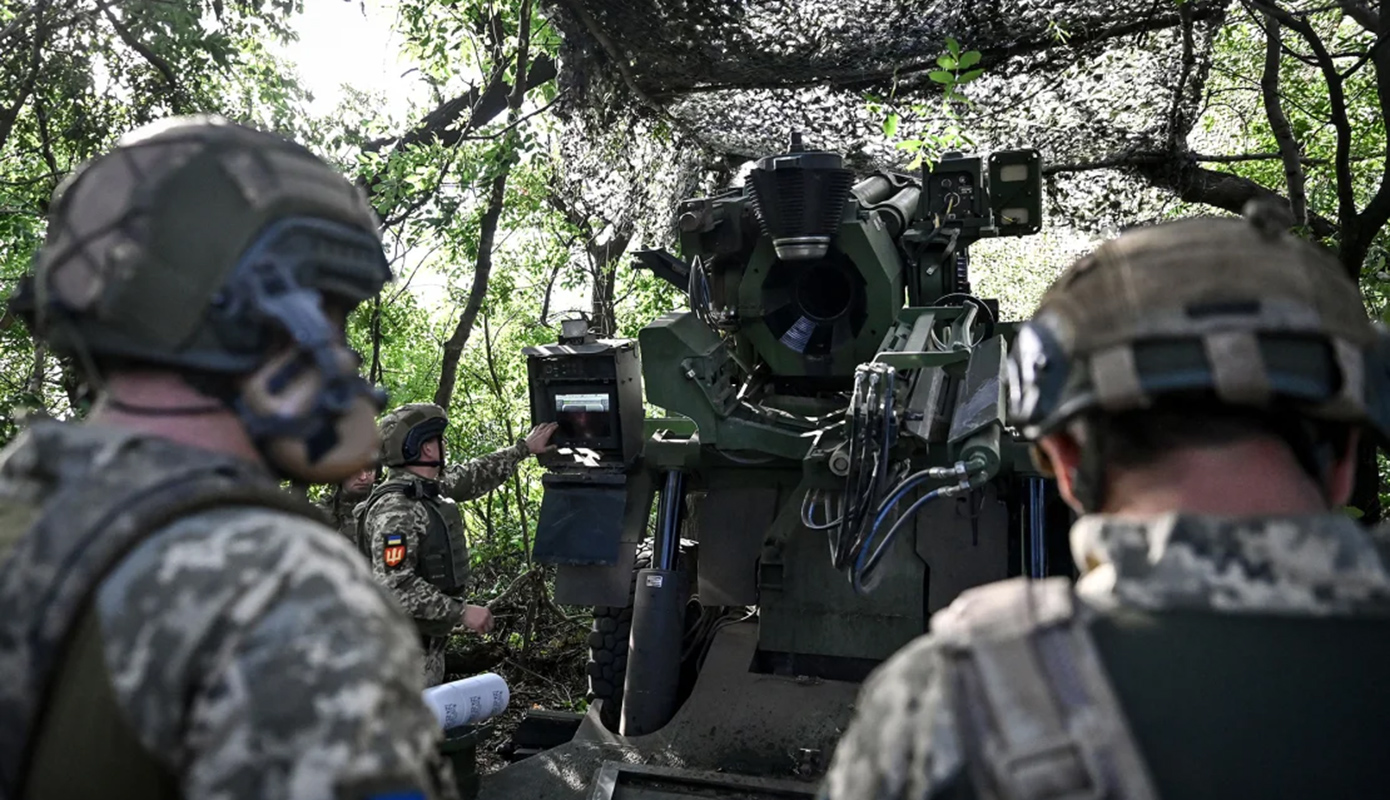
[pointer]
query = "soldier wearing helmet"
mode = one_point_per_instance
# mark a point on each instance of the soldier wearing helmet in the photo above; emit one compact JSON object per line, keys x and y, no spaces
{"x":340,"y":502}
{"x":1198,"y":389}
{"x":173,"y":620}
{"x":411,"y":528}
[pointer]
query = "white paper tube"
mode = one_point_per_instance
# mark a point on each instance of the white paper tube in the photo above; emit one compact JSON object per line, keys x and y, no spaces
{"x":469,"y":701}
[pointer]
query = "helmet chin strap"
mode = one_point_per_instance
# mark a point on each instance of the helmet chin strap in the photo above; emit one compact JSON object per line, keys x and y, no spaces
{"x":201,"y":410}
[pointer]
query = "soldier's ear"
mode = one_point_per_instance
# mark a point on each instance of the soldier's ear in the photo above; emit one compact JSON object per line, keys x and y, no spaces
{"x":1063,"y":455}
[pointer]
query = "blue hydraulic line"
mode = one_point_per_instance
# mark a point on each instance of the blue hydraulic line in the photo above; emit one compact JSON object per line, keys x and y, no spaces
{"x":1037,"y":529}
{"x":867,"y":562}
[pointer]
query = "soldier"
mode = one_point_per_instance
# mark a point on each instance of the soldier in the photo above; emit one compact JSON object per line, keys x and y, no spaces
{"x":176,"y":625}
{"x":1198,"y":389}
{"x":340,"y":503}
{"x":413,"y":532}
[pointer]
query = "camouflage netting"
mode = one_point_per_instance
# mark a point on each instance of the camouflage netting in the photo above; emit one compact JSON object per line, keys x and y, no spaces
{"x":668,"y":98}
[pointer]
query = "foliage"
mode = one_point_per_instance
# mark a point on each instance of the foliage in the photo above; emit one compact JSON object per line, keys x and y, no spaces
{"x":931,"y":134}
{"x":483,"y":154}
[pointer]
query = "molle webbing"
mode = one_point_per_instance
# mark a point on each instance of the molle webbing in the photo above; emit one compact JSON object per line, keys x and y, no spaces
{"x":442,"y":559}
{"x":412,"y":489}
{"x":1038,"y":717}
{"x":95,"y":519}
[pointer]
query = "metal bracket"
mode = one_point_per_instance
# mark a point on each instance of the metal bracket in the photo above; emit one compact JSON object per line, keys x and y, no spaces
{"x":618,"y":781}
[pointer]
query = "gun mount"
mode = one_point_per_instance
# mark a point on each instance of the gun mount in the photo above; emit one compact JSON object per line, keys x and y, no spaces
{"x":835,"y":469}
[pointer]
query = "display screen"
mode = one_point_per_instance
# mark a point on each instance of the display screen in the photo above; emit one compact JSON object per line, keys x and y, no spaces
{"x":584,"y":416}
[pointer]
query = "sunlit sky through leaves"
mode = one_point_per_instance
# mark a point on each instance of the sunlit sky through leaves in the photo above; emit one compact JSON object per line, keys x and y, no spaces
{"x":351,"y":43}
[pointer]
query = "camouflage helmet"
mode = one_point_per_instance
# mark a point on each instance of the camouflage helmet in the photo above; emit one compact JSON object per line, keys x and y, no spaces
{"x":406,"y":429}
{"x":1238,"y":310}
{"x":145,"y":244}
{"x":207,"y":247}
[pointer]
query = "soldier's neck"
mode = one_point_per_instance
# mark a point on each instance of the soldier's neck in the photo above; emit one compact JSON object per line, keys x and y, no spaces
{"x":134,"y":402}
{"x":1245,"y":479}
{"x":428,"y":473}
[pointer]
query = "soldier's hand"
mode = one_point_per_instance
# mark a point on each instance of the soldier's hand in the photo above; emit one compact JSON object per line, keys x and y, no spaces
{"x":477,"y":619}
{"x":538,"y":440}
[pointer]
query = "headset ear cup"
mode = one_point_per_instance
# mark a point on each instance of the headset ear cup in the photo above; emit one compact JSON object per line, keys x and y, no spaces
{"x":355,"y":448}
{"x":286,"y":388}
{"x":282,"y":388}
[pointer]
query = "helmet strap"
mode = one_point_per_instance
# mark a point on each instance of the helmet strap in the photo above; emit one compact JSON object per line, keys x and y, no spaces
{"x":439,"y":463}
{"x":264,"y":287}
{"x":1315,"y":455}
{"x":1088,"y":478}
{"x":200,"y":410}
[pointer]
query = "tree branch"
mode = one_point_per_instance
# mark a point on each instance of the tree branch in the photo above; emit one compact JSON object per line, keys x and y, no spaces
{"x":1360,"y":12}
{"x":10,"y":114}
{"x":614,"y":54}
{"x":1177,"y":132}
{"x":153,"y":58}
{"x":1242,"y":157}
{"x":1377,"y":211}
{"x":1279,"y":124}
{"x":19,"y":20}
{"x":481,"y":105}
{"x":1222,"y":190}
{"x":487,"y":229}
{"x":1346,"y":198}
{"x":1180,"y":174}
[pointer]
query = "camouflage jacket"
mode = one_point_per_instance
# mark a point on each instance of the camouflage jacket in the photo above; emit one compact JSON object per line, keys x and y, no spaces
{"x":394,"y":514}
{"x":338,"y":508}
{"x":473,"y":479}
{"x":248,"y":649}
{"x":904,"y":741}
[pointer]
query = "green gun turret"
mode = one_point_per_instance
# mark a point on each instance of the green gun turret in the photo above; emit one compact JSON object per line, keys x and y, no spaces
{"x":835,"y":458}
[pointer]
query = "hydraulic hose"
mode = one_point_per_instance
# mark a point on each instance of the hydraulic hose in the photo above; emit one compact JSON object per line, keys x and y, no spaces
{"x":968,"y":474}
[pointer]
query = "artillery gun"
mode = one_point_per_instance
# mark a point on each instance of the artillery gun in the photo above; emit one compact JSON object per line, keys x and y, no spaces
{"x":835,"y":468}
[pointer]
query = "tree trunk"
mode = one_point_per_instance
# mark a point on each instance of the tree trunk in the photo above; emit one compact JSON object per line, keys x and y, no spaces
{"x":375,"y":374}
{"x":522,"y":516}
{"x":453,"y":348}
{"x":487,"y":232}
{"x":601,"y":301}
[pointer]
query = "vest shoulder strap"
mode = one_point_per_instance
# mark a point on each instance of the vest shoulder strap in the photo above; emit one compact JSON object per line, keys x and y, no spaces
{"x":1037,"y":714}
{"x":409,"y":489}
{"x":83,"y":530}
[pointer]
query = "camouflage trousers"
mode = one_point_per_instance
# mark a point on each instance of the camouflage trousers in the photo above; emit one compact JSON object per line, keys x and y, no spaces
{"x":434,"y":659}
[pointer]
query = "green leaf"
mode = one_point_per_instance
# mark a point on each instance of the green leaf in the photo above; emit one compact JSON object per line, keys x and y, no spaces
{"x":969,"y":59}
{"x":942,"y":77}
{"x":910,"y":145}
{"x":1353,"y":512}
{"x":890,"y":125}
{"x":970,"y":76}
{"x":946,"y":62}
{"x":953,"y":46}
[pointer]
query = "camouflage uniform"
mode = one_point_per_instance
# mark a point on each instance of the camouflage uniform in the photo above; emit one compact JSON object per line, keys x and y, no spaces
{"x":1197,"y":656}
{"x":906,"y":739}
{"x":177,"y":625}
{"x":396,"y":518}
{"x":286,"y":671}
{"x":340,"y":508}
